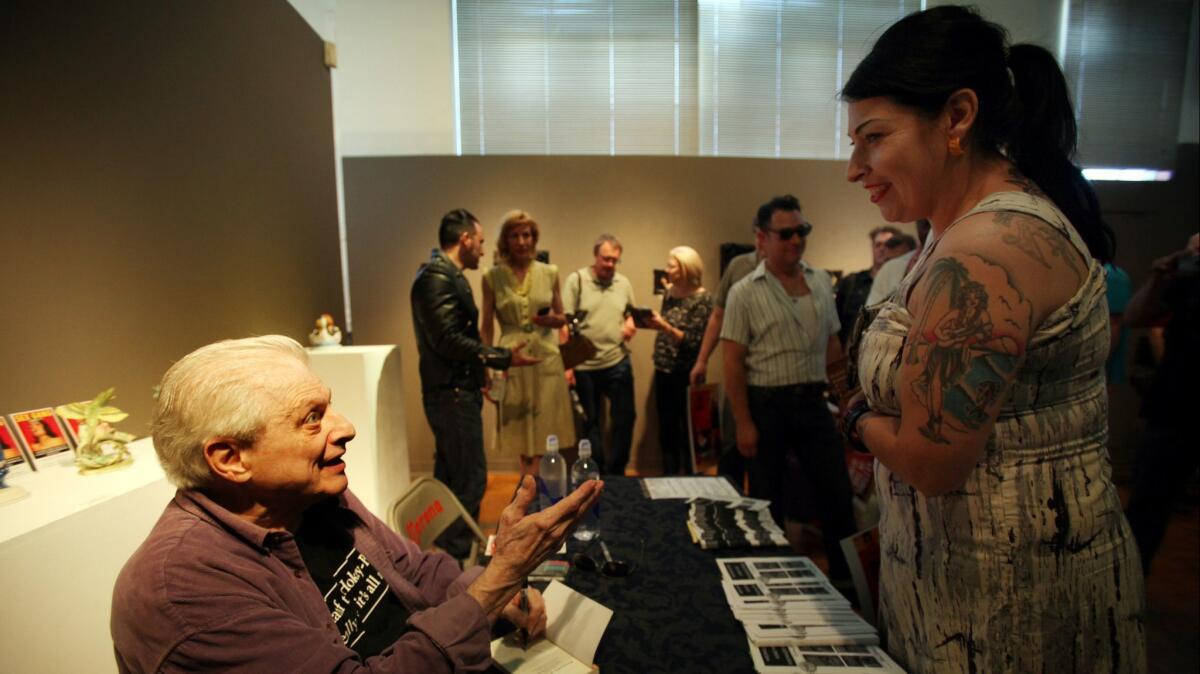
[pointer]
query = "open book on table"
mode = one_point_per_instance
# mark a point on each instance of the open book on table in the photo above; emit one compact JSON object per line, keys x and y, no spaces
{"x":574,"y":625}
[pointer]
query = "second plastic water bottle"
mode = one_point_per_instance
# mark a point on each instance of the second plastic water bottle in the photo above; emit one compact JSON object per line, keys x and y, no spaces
{"x":552,"y":474}
{"x":585,"y":469}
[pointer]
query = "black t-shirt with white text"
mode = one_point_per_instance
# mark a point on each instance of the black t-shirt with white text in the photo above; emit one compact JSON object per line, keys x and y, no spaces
{"x":369,"y":616}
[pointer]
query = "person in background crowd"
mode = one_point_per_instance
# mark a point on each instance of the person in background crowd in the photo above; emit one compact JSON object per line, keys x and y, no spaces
{"x":894,"y":270}
{"x":779,"y":335}
{"x":1167,"y":457}
{"x":1118,"y":290}
{"x":523,"y":295}
{"x":452,"y":358}
{"x":852,"y":290}
{"x":606,"y":295}
{"x":686,"y":307}
{"x":897,"y":246}
{"x":264,"y":561}
{"x":731,"y":463}
{"x":1005,"y":549}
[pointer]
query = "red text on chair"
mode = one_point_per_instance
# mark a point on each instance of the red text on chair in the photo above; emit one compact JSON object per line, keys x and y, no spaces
{"x":415,"y":527}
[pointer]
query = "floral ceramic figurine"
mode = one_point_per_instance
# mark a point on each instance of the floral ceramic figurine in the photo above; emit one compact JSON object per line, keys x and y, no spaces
{"x":327,"y":332}
{"x":100,"y":445}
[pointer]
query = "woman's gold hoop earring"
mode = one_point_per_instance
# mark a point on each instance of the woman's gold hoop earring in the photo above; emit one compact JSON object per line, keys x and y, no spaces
{"x":955,"y":147}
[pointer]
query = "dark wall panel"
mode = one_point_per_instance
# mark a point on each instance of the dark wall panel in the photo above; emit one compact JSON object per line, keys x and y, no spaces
{"x":166,"y":180}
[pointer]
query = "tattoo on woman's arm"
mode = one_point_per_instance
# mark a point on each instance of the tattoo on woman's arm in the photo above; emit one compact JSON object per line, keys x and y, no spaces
{"x":1035,"y":238}
{"x":968,"y":344}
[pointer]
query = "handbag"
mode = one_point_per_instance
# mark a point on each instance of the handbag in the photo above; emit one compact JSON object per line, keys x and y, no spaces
{"x":578,"y":348}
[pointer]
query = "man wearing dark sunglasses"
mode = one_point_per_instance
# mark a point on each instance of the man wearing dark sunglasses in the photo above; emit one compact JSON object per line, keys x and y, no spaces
{"x":779,"y":334}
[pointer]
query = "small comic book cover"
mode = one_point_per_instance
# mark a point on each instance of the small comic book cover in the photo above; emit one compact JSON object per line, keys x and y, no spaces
{"x":13,"y":451}
{"x":40,"y":432}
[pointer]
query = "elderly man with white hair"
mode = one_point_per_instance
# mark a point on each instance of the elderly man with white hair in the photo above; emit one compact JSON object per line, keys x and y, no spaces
{"x":265,"y":562}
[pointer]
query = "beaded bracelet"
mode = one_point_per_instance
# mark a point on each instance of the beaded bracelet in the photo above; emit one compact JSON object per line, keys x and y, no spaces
{"x":850,"y":425}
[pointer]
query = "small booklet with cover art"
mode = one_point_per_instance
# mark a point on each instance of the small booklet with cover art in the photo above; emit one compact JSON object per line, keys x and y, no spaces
{"x":13,"y":451}
{"x":40,"y":432}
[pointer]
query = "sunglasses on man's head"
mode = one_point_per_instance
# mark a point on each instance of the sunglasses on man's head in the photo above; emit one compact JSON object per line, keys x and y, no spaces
{"x":613,"y":568}
{"x":787,"y":233}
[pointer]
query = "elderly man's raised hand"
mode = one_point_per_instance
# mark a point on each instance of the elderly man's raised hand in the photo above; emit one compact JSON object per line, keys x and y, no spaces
{"x":525,"y":540}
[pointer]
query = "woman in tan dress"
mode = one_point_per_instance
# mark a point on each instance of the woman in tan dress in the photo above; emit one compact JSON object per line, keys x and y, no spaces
{"x":1003,"y":544}
{"x":522,"y":294}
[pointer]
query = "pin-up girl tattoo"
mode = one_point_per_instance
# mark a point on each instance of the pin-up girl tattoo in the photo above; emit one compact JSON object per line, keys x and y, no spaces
{"x":965,"y":359}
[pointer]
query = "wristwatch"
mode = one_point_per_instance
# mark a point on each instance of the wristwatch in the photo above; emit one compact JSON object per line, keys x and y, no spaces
{"x":850,"y":425}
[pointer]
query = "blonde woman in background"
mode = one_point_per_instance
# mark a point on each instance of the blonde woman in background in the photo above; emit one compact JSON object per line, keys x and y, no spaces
{"x":523,"y":295}
{"x":685,"y":310}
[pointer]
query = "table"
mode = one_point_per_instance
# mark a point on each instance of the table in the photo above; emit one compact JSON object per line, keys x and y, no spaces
{"x":61,"y":549}
{"x":670,"y":615}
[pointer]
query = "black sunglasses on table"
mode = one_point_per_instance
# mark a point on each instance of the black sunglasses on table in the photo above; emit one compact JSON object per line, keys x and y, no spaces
{"x":786,"y":234}
{"x":613,"y":568}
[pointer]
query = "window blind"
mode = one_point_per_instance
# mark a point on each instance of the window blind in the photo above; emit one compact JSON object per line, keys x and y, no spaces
{"x":759,"y":78}
{"x":576,"y":76}
{"x":1125,"y":62}
{"x":770,"y":71}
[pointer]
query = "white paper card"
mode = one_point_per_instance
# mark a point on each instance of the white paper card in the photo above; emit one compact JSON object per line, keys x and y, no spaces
{"x":542,"y":657}
{"x":574,"y":621}
{"x":688,"y":487}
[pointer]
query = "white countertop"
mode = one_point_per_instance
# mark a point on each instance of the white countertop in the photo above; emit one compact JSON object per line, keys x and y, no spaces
{"x":57,"y":490}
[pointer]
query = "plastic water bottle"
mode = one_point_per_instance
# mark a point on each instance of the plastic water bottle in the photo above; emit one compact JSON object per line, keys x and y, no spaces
{"x":585,"y":469}
{"x":552,"y":474}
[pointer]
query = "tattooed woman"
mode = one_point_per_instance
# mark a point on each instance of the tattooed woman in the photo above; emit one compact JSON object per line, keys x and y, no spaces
{"x":1003,"y":543}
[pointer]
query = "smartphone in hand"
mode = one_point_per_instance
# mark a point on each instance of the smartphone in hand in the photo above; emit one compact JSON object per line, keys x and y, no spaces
{"x":641,"y":316}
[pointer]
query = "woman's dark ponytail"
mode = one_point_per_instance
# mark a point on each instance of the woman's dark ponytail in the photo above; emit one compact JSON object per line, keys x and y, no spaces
{"x":1042,"y":144}
{"x":1024,"y":110}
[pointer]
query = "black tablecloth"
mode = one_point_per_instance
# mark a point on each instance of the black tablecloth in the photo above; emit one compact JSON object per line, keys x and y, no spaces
{"x":670,"y":615}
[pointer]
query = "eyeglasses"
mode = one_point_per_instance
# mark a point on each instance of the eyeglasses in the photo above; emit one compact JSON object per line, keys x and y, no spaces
{"x":613,"y":568}
{"x":786,"y":234}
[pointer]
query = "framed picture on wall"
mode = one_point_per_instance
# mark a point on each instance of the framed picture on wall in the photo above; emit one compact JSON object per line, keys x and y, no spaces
{"x":40,"y":432}
{"x":13,"y":452}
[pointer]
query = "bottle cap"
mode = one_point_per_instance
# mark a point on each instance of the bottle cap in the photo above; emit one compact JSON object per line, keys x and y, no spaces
{"x":585,"y":449}
{"x":551,"y":444}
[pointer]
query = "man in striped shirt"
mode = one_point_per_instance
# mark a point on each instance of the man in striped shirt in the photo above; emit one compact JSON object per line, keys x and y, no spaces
{"x":780,"y":331}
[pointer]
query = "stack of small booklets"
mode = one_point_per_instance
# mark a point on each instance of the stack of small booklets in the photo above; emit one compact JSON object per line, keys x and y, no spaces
{"x":796,"y":621}
{"x":740,"y":523}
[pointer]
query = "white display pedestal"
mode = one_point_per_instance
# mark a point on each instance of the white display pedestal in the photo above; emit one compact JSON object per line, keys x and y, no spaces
{"x":368,"y":390}
{"x":61,"y":549}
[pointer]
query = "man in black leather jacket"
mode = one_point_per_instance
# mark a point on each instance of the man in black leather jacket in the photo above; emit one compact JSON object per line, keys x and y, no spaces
{"x":452,"y":362}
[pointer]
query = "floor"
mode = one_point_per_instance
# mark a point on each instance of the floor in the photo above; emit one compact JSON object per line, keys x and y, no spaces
{"x":1172,"y":591}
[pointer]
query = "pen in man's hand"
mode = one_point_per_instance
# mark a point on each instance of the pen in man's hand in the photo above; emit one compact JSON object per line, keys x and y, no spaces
{"x":524,"y":606}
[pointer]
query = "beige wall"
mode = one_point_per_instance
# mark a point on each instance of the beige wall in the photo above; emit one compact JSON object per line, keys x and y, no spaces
{"x":166,"y":180}
{"x":651,"y":203}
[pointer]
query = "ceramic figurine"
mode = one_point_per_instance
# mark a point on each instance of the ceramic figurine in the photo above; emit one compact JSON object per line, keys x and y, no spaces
{"x":327,"y":333}
{"x":101,"y":446}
